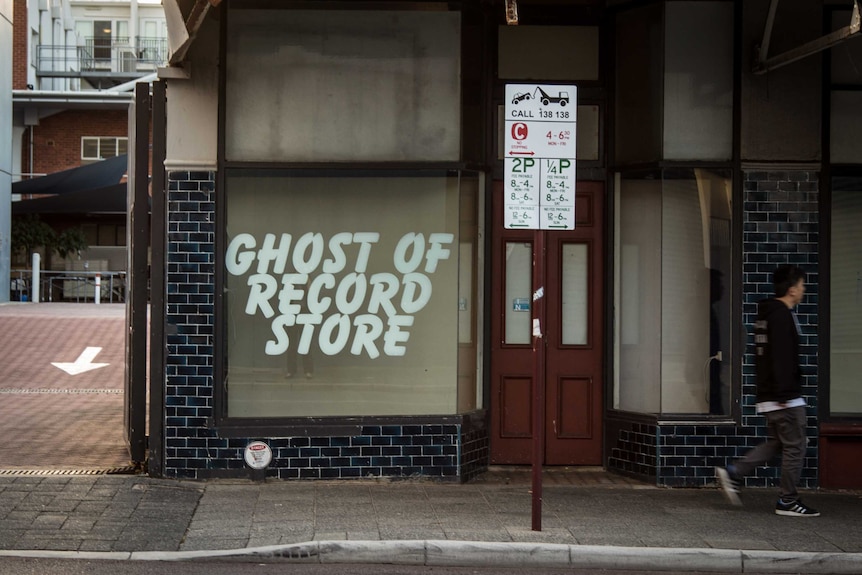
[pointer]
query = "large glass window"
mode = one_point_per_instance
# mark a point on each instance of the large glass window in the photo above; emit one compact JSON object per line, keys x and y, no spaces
{"x":845,"y":267}
{"x":351,"y":294}
{"x":343,"y":85}
{"x":698,"y":81}
{"x":845,"y":310}
{"x":845,"y":95}
{"x":674,"y":77}
{"x":673,"y":259}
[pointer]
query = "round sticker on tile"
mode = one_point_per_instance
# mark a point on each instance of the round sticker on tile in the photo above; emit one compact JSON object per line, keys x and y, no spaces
{"x":258,"y":455}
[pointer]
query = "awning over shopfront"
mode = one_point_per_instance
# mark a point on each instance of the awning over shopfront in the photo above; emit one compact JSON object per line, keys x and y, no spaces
{"x":106,"y":200}
{"x":89,"y":177}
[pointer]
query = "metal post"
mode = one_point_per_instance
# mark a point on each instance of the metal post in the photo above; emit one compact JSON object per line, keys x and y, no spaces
{"x":98,"y":295}
{"x":34,"y":278}
{"x":158,"y":291}
{"x":538,"y":307}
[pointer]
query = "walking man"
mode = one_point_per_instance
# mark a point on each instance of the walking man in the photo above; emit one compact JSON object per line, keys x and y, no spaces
{"x":779,"y":395}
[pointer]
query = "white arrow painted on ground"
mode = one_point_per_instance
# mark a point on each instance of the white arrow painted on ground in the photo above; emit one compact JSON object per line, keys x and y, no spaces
{"x":83,"y":363}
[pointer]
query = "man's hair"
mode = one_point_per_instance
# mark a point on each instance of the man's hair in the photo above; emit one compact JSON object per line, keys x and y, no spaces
{"x":785,"y":277}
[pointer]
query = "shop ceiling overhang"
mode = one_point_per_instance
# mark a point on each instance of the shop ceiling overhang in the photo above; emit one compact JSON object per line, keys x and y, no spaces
{"x":765,"y":64}
{"x":184,"y":19}
{"x":84,"y":100}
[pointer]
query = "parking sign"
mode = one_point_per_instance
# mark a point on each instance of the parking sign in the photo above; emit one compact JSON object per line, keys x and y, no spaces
{"x":540,"y":156}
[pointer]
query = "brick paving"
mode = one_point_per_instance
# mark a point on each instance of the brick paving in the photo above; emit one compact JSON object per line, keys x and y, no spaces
{"x":99,"y":513}
{"x":50,"y":420}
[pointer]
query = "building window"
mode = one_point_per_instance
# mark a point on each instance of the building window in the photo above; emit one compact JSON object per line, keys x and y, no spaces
{"x":347,"y":292}
{"x":672,"y":340}
{"x":101,"y":148}
{"x":350,"y":294}
{"x":845,"y":267}
{"x":342,"y":86}
{"x":674,"y":82}
{"x":99,"y":38}
{"x":845,"y":313}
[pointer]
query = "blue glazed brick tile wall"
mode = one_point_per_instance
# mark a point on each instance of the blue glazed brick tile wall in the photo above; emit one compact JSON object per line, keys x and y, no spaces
{"x":193,"y":448}
{"x":633,"y":449}
{"x":189,"y":329}
{"x":781,"y":226}
{"x":689,"y":453}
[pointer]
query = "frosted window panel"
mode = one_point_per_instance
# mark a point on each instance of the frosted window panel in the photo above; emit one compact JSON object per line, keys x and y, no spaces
{"x":315,"y":270}
{"x":564,"y":53}
{"x":698,"y":81}
{"x":673,"y":304}
{"x":575,"y":294}
{"x":639,"y":378}
{"x":846,"y":125}
{"x":343,"y":86}
{"x":685,"y":299}
{"x":845,"y":386}
{"x":519,"y":287}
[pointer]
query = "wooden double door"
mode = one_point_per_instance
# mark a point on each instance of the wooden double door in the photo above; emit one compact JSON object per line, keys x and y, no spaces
{"x":574,"y":303}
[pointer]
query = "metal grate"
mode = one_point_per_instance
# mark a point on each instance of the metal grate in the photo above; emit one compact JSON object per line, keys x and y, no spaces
{"x":25,"y":391}
{"x":129,"y":470}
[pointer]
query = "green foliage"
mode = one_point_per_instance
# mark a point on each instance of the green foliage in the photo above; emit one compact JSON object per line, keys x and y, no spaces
{"x":29,"y":233}
{"x":70,"y":241}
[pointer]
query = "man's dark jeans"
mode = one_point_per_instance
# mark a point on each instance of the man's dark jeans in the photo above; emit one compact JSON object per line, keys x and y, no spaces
{"x":787,"y":437}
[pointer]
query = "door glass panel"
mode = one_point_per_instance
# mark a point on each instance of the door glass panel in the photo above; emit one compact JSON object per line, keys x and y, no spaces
{"x":102,"y":39}
{"x":519,"y":265}
{"x":574,"y":294}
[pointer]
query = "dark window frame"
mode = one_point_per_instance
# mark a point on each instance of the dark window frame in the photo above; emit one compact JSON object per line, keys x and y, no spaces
{"x":328,"y":425}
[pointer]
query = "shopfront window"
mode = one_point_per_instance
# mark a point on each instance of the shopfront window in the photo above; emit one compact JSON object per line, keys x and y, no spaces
{"x":845,"y":261}
{"x":351,"y":295}
{"x":336,"y":86}
{"x":672,"y":344}
{"x":845,"y":313}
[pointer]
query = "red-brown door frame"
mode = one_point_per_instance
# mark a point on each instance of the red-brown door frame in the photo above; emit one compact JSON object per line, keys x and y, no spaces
{"x":574,"y":373}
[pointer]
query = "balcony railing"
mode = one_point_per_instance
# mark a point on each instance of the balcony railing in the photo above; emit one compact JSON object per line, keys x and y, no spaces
{"x":115,"y":56}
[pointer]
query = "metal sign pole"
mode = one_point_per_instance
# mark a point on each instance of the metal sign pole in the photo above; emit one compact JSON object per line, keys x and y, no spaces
{"x":538,"y":306}
{"x":539,"y":194}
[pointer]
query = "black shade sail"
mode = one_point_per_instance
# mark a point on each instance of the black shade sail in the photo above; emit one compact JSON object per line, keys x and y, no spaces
{"x":107,"y":200}
{"x":89,"y":177}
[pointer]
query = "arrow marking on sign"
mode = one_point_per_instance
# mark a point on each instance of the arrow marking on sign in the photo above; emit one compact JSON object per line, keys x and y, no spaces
{"x":83,"y":363}
{"x":522,"y":153}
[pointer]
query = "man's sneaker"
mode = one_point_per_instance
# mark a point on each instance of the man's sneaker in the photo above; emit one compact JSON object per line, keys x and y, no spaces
{"x":729,"y":486}
{"x":795,"y":509}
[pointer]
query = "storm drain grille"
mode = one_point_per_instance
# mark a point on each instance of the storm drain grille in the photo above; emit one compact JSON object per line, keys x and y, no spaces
{"x":54,"y":472}
{"x":25,"y":391}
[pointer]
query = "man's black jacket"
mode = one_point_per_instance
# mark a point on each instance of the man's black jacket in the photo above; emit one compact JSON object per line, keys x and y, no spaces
{"x":776,"y":348}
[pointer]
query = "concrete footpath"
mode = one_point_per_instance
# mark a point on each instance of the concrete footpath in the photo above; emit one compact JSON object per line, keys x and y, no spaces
{"x":61,"y":448}
{"x":590,"y":520}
